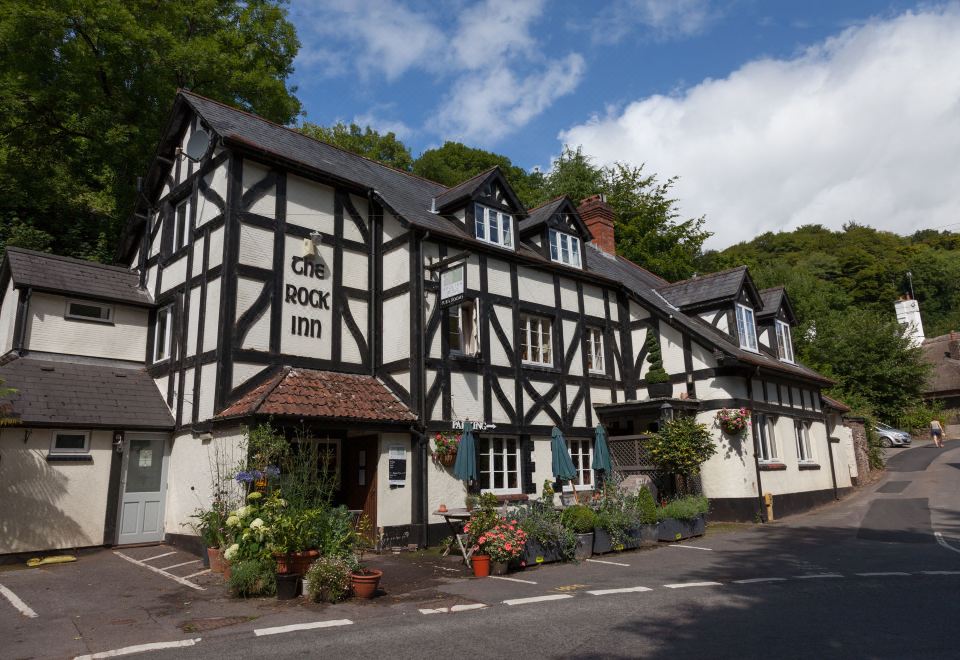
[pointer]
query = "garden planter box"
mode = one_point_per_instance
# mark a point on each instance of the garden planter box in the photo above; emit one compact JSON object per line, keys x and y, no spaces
{"x":642,"y":535}
{"x":534,"y":553}
{"x":584,"y":547}
{"x":602,"y":542}
{"x":671,"y":529}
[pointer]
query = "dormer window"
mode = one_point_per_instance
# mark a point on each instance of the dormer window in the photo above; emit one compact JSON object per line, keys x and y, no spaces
{"x":746,"y":328}
{"x":784,"y":342}
{"x":493,"y":226}
{"x":565,"y":248}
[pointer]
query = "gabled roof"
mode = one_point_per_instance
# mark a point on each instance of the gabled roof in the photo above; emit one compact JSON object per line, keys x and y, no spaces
{"x":542,"y":214}
{"x":321,"y":394}
{"x":773,"y":299}
{"x":835,"y":404}
{"x":463,"y":190}
{"x":709,"y":290}
{"x":84,"y":394}
{"x":50,"y":272}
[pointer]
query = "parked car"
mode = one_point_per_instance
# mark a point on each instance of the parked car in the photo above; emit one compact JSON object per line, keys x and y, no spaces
{"x":891,"y":437}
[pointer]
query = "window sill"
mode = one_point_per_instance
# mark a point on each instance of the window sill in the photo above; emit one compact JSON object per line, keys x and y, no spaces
{"x":85,"y":320}
{"x":537,"y":366}
{"x":69,"y":458}
{"x":809,"y":466}
{"x":465,"y":357}
{"x":773,"y":467}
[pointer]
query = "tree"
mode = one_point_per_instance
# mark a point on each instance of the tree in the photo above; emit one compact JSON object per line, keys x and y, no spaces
{"x":7,"y":415}
{"x":681,"y":447}
{"x":454,"y":163}
{"x":85,"y":90}
{"x":366,"y":142}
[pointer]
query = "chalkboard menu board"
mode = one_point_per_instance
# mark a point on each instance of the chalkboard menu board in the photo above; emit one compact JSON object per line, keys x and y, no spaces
{"x":397,"y":470}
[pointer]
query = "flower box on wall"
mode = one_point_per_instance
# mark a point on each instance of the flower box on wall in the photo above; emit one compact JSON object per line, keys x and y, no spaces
{"x":672,"y":529}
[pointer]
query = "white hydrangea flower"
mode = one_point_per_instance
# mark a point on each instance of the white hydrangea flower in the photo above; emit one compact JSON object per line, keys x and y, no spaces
{"x":233,"y":521}
{"x":257,"y":523}
{"x":231,"y":552}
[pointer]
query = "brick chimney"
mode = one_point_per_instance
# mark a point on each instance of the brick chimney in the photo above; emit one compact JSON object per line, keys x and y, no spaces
{"x":598,"y":215}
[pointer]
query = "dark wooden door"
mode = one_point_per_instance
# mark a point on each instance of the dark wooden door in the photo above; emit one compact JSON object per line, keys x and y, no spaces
{"x":359,"y":475}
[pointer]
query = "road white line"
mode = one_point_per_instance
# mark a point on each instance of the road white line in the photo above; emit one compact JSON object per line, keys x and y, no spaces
{"x":293,"y":627}
{"x":438,"y":610}
{"x":467,"y":607}
{"x":941,"y":572}
{"x":193,"y":575}
{"x":139,"y":648}
{"x":183,"y":563}
{"x":14,"y":599}
{"x":185,"y":582}
{"x":624,"y":590}
{"x":943,"y":542}
{"x":817,"y":576}
{"x":610,"y":563}
{"x":536,"y":599}
{"x":756,"y":580}
{"x":684,"y":585}
{"x":500,"y":577}
{"x":165,"y":554}
{"x":882,"y":574}
{"x":692,"y":547}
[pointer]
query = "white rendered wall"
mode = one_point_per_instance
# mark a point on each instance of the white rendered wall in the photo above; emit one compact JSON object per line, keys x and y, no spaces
{"x":8,"y":318}
{"x":731,"y":471}
{"x":443,"y":488}
{"x":394,"y":502}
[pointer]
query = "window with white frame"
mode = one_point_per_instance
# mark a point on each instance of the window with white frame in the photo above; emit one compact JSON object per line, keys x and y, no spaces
{"x":746,"y":328}
{"x":536,"y":340}
{"x":81,"y":310}
{"x":499,"y":464}
{"x":565,"y":248}
{"x":767,"y":438}
{"x":463,"y":334}
{"x":161,"y":334}
{"x":804,"y":450}
{"x":70,"y":442}
{"x":581,"y":452}
{"x":181,"y":221}
{"x":595,"y":351}
{"x":784,"y":342}
{"x":493,"y":226}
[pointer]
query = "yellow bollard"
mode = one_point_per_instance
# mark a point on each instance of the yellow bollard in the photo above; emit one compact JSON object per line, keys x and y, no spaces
{"x":768,"y":500}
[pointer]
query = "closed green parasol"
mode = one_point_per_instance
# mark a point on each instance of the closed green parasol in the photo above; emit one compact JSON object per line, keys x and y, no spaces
{"x":601,"y":453}
{"x":465,"y":467}
{"x":563,"y":468}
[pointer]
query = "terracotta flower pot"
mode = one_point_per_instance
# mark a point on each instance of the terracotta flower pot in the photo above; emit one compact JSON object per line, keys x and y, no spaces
{"x":365,"y":582}
{"x":216,"y":559}
{"x":481,"y":565}
{"x":283,"y":561}
{"x":300,"y":561}
{"x":226,"y":570}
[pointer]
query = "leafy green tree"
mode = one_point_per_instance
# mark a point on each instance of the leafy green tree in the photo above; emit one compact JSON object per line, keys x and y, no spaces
{"x":680,"y":448}
{"x":366,"y":142}
{"x":454,"y":163}
{"x":85,"y":90}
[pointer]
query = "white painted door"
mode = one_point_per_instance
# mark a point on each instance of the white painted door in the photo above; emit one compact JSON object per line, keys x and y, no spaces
{"x":144,"y":488}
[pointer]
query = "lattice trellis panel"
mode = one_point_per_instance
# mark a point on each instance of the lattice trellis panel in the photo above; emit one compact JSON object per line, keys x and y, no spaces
{"x":631,"y":455}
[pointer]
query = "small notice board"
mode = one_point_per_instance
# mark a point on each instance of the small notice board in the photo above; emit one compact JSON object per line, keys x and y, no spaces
{"x":397,"y":468}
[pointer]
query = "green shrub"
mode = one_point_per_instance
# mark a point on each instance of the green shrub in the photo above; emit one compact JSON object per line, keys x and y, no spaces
{"x":579,"y":519}
{"x":643,"y":506}
{"x":542,"y":524}
{"x":253,"y":577}
{"x":684,"y":508}
{"x":680,"y":447}
{"x":656,"y":373}
{"x":329,"y":579}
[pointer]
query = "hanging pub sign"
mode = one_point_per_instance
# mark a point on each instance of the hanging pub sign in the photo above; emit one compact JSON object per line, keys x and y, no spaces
{"x":452,"y":285}
{"x":397,"y":466}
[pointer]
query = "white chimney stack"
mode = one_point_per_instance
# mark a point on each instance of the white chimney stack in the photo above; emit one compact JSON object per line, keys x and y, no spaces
{"x":908,"y":314}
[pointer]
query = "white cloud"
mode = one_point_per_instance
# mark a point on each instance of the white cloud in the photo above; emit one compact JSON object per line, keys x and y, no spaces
{"x":492,"y":30}
{"x":663,"y":19}
{"x":863,"y":126}
{"x":383,"y":125}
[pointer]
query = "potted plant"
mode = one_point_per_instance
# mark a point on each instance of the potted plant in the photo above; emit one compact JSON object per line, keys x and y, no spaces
{"x":613,"y":521}
{"x":504,"y":544}
{"x":733,"y":421}
{"x":364,"y":580}
{"x":644,"y":528}
{"x":581,"y":520}
{"x":212,"y":529}
{"x":683,"y":518}
{"x":547,"y":539}
{"x":470,"y":502}
{"x":481,"y":521}
{"x":328,"y":579}
{"x":253,"y":577}
{"x":680,"y":447}
{"x":445,"y":448}
{"x":658,"y":380}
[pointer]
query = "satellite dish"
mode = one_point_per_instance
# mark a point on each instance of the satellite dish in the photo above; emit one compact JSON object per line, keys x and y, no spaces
{"x":197,"y":145}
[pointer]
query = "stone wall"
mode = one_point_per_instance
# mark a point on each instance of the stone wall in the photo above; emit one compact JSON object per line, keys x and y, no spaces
{"x":856,"y":426}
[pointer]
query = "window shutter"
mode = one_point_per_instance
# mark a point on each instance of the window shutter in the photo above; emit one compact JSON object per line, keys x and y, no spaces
{"x":527,"y":465}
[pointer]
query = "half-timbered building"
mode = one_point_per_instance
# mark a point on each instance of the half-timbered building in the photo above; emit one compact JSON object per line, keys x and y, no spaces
{"x":277,"y":277}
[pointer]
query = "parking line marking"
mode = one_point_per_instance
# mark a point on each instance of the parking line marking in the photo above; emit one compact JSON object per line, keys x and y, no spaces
{"x":193,"y":575}
{"x":185,"y":582}
{"x":692,"y":547}
{"x":165,"y":554}
{"x":882,"y":574}
{"x":139,"y":648}
{"x":943,"y":542}
{"x":468,"y":606}
{"x":624,"y":590}
{"x":684,"y":585}
{"x":611,"y":563}
{"x":817,"y":576}
{"x":293,"y":627}
{"x":509,"y":579}
{"x":941,"y":572}
{"x":183,"y":563}
{"x":439,"y":610}
{"x":755,"y":580}
{"x":536,"y":599}
{"x":14,"y":599}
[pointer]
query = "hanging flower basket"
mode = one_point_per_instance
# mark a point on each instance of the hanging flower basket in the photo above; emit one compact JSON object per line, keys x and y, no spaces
{"x":733,"y":421}
{"x":445,"y":448}
{"x":449,"y":459}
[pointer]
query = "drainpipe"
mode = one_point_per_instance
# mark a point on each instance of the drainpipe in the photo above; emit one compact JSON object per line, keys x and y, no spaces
{"x":756,"y":455}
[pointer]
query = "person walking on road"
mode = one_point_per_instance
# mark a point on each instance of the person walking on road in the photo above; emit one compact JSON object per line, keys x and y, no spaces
{"x":936,"y":432}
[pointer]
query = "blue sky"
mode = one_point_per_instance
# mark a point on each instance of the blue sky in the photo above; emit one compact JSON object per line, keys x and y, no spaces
{"x":773,"y":114}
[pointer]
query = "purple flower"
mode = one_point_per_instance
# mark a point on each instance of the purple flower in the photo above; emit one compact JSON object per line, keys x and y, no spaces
{"x":244,"y":477}
{"x":272,"y":471}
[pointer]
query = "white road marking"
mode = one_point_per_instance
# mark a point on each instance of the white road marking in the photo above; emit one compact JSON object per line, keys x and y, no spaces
{"x":469,"y":606}
{"x":293,"y":627}
{"x":624,"y":590}
{"x":536,"y":599}
{"x":500,"y":577}
{"x":139,"y":648}
{"x":185,"y":582}
{"x":941,"y":572}
{"x":943,"y":542}
{"x":165,"y":554}
{"x":817,"y":576}
{"x":14,"y":599}
{"x":692,"y":547}
{"x":183,"y":563}
{"x":609,"y":563}
{"x":684,"y":585}
{"x":193,"y":575}
{"x":438,"y":610}
{"x":882,"y":574}
{"x":755,"y":580}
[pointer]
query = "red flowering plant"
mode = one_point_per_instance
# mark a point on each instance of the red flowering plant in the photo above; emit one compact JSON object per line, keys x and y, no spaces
{"x":733,"y":421}
{"x":445,"y":447}
{"x":503,"y":542}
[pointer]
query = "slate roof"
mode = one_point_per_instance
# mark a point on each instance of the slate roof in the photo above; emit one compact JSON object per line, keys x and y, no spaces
{"x":772,"y":299}
{"x":321,"y":394}
{"x":541,"y":214}
{"x":50,"y":272}
{"x":830,"y":402}
{"x":54,"y":392}
{"x":944,"y":378}
{"x":463,"y":190}
{"x":704,"y":290}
